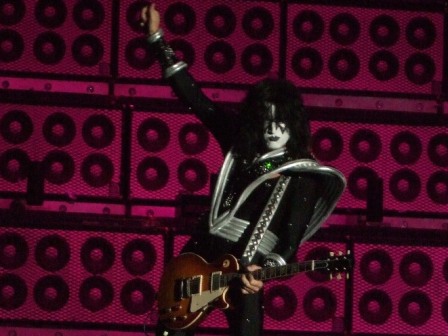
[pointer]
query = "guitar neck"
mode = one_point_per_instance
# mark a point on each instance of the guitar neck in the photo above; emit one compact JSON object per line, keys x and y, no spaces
{"x":268,"y":273}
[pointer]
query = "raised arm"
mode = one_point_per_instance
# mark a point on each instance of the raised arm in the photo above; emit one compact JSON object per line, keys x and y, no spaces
{"x":222,"y":124}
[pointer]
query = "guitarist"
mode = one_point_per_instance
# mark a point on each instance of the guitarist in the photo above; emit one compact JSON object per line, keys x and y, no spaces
{"x":271,"y":194}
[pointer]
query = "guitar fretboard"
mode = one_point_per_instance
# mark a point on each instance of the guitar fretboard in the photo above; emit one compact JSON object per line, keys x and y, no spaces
{"x":222,"y":280}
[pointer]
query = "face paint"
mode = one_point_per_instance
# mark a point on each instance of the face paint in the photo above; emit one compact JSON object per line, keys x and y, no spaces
{"x":276,"y":134}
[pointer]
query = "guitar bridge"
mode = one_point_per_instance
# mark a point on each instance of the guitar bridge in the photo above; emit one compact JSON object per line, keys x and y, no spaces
{"x":185,"y":288}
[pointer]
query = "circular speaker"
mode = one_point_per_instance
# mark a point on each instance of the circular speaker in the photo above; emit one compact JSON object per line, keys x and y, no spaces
{"x":280,"y":302}
{"x":376,"y":266}
{"x":153,"y":173}
{"x":365,"y":145}
{"x":13,"y":291}
{"x":307,"y":63}
{"x":192,"y":174}
{"x":51,"y":293}
{"x":437,"y":187}
{"x":327,"y":144}
{"x":257,"y":60}
{"x":308,"y":26}
{"x":258,"y":23}
{"x":180,"y":18}
{"x":405,"y":185}
{"x":139,"y":257}
{"x":384,"y":65}
{"x":344,"y":29}
{"x":49,"y":48}
{"x":96,"y":293}
{"x":87,"y":50}
{"x":420,"y":68}
{"x":11,"y":45}
{"x":16,"y":127}
{"x":220,"y":21}
{"x":98,"y":131}
{"x":11,"y":12}
{"x":153,"y":134}
{"x":88,"y":14}
{"x":52,"y":253}
{"x":406,"y":148}
{"x":14,"y":250}
{"x":97,"y":170}
{"x":220,"y":57}
{"x":97,"y":255}
{"x":415,"y":308}
{"x":319,"y":304}
{"x":416,"y":268}
{"x":344,"y":65}
{"x":14,"y":165}
{"x":358,"y":181}
{"x":193,"y":138}
{"x":59,"y":167}
{"x":421,"y":33}
{"x":59,"y":129}
{"x":50,"y":13}
{"x":438,"y":150}
{"x":375,"y":307}
{"x":137,"y":54}
{"x":137,"y":296}
{"x":384,"y":31}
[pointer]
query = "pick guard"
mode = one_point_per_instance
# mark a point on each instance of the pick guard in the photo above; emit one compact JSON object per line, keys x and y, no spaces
{"x":199,"y":301}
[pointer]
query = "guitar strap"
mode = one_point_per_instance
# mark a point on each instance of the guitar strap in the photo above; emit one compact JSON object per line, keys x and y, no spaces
{"x":265,"y":219}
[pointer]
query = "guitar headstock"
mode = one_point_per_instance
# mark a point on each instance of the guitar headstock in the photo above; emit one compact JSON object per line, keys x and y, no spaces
{"x":338,"y":264}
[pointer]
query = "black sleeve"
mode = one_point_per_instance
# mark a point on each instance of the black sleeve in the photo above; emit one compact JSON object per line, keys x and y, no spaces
{"x":301,"y":199}
{"x":222,"y":124}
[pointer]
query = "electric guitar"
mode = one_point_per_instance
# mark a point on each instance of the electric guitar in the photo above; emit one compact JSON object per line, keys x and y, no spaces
{"x":191,"y":288}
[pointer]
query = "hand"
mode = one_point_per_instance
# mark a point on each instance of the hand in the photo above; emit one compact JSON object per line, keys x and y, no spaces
{"x":250,"y":284}
{"x":151,"y":18}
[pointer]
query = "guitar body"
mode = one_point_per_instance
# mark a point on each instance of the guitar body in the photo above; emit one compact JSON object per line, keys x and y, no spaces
{"x":186,"y":294}
{"x":190,"y":287}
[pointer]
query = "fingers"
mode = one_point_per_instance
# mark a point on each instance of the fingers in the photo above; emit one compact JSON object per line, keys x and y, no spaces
{"x":148,"y":12}
{"x":250,"y":285}
{"x":144,"y":14}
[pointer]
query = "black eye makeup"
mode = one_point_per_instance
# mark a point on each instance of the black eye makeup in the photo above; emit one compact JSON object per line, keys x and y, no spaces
{"x":278,"y":124}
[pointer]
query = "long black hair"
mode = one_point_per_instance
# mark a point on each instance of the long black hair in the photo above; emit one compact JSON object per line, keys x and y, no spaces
{"x":289,"y":109}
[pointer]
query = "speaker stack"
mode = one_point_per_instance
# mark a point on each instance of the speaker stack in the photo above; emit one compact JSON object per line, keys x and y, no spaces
{"x":77,"y":149}
{"x":235,"y":44}
{"x":76,"y":276}
{"x":382,"y":49}
{"x":400,"y":290}
{"x":63,"y":37}
{"x":411,"y":161}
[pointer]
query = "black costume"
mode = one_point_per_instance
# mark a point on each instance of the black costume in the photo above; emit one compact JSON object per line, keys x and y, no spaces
{"x":263,"y":208}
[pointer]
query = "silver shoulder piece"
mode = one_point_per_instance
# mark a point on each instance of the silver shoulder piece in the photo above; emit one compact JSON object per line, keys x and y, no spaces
{"x":333,"y":182}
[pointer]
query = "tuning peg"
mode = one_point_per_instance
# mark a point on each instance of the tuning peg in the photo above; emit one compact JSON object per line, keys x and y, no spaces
{"x":340,"y":253}
{"x":348,"y":252}
{"x":331,"y":276}
{"x":331,"y":254}
{"x":347,"y":276}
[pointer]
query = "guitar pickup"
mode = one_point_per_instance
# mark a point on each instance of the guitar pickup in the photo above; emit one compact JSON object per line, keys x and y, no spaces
{"x":185,"y":288}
